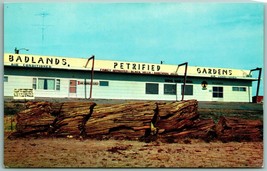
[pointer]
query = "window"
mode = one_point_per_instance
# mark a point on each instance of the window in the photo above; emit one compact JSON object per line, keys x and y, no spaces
{"x":239,"y":88}
{"x":34,"y":83}
{"x":152,"y":88}
{"x":103,"y":83}
{"x":188,"y":89}
{"x":170,"y":89}
{"x":46,"y":84}
{"x":217,"y":92}
{"x":235,"y":88}
{"x":5,"y":78}
{"x":57,"y":84}
{"x":242,"y":89}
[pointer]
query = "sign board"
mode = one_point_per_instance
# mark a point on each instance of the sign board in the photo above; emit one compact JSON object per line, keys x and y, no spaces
{"x":87,"y":83}
{"x":23,"y":94}
{"x":35,"y":61}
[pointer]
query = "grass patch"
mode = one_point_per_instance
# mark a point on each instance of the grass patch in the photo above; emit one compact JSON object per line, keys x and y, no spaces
{"x":9,"y":123}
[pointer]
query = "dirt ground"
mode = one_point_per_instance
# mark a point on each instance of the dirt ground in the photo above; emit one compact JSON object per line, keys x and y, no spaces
{"x":63,"y":152}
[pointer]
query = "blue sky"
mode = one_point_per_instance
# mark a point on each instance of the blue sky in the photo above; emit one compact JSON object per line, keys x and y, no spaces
{"x":204,"y":34}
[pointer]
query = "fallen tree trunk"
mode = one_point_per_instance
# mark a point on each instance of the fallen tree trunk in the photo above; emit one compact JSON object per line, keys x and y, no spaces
{"x":178,"y":120}
{"x":199,"y":129}
{"x":237,"y":129}
{"x":72,"y":118}
{"x":174,"y":116}
{"x":121,"y":121}
{"x":170,"y":122}
{"x":35,"y":119}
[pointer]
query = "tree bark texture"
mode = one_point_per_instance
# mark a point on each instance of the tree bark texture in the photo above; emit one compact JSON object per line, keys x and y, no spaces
{"x":35,"y":119}
{"x":237,"y":129}
{"x":167,"y":121}
{"x":121,"y":121}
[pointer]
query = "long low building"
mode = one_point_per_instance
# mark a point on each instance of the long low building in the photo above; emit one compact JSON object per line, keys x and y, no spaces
{"x":35,"y":76}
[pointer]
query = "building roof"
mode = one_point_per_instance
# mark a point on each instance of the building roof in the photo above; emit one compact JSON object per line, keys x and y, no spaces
{"x":37,"y":61}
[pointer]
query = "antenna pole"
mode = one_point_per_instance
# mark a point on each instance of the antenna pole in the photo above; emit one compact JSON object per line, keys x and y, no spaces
{"x":43,"y":15}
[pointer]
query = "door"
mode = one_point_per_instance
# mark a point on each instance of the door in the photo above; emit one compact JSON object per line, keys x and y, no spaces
{"x":73,"y":88}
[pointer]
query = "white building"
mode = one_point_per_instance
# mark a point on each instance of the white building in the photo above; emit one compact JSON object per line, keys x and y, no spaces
{"x":33,"y":76}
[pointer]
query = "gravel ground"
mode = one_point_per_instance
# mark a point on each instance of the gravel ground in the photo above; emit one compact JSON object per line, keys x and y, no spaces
{"x":113,"y":153}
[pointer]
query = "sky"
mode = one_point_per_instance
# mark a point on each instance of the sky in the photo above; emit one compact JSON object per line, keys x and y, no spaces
{"x":223,"y":35}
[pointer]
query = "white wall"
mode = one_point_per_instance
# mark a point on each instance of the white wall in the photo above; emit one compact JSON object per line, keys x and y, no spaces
{"x":240,"y":96}
{"x":16,"y":82}
{"x":123,"y":90}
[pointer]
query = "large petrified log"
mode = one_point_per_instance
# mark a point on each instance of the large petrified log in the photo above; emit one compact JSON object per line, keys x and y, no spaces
{"x":168,"y":121}
{"x":237,"y":129}
{"x":36,"y":118}
{"x":179,"y":120}
{"x":173,"y":116}
{"x":200,"y":129}
{"x":121,"y":121}
{"x":72,"y":118}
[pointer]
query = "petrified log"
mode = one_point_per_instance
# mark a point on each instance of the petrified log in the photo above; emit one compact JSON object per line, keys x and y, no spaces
{"x":237,"y":129}
{"x":171,"y":122}
{"x":36,"y":118}
{"x":72,"y":118}
{"x":199,"y":129}
{"x":175,"y":116}
{"x":177,"y":120}
{"x":121,"y":121}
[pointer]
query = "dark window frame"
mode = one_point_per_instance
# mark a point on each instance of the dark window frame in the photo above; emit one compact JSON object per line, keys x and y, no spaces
{"x":46,"y":83}
{"x":170,"y":89}
{"x":152,"y":88}
{"x":36,"y":82}
{"x":217,"y":92}
{"x":104,"y":83}
{"x":5,"y":78}
{"x":57,"y":84}
{"x":189,"y":90}
{"x":240,"y":89}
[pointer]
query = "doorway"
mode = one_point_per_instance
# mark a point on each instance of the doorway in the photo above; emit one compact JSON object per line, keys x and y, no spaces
{"x":73,"y":88}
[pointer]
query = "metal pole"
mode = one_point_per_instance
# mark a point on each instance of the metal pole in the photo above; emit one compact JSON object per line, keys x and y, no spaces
{"x":185,"y":74}
{"x":176,"y":90}
{"x":259,"y":80}
{"x":85,"y":88}
{"x":92,"y":74}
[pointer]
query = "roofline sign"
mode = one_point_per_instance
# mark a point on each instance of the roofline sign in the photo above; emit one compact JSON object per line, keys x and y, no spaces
{"x":37,"y":61}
